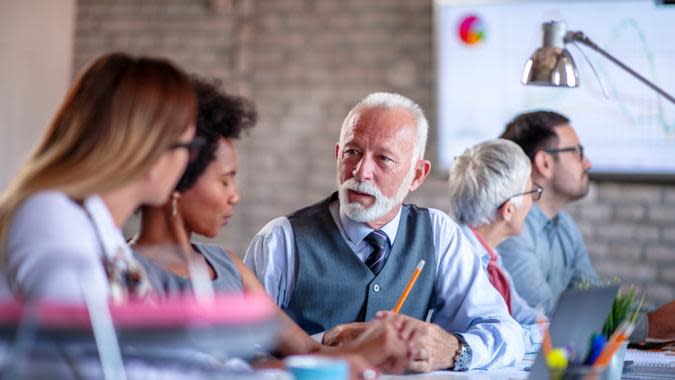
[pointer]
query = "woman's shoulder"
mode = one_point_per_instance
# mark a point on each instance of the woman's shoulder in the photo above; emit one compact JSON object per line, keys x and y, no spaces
{"x":229,"y":268}
{"x":46,"y":215}
{"x":216,"y":252}
{"x":49,"y":240}
{"x":46,"y":203}
{"x":210,"y":247}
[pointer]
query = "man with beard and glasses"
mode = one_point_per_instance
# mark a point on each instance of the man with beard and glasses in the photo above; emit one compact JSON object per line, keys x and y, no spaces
{"x":347,"y":259}
{"x":549,"y":255}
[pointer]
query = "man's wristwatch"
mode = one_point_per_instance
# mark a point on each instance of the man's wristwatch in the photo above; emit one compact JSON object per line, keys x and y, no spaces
{"x":463,"y":355}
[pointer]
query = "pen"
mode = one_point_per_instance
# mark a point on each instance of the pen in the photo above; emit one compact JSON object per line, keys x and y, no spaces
{"x":546,"y":338}
{"x":404,"y":295}
{"x":620,"y":335}
{"x":598,"y":343}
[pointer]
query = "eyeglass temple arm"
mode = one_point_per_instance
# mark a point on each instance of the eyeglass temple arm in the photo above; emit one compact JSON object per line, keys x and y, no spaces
{"x":580,"y":37}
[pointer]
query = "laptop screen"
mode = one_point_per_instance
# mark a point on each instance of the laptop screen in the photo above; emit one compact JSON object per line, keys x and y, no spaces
{"x":578,"y":314}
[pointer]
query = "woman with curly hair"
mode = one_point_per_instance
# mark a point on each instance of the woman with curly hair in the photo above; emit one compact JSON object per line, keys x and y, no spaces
{"x":202,"y":203}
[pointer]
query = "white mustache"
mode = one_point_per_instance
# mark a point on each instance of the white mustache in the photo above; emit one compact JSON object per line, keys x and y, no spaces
{"x":362,"y":187}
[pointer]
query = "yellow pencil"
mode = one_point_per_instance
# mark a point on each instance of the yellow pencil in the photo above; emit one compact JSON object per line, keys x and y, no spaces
{"x":404,"y":295}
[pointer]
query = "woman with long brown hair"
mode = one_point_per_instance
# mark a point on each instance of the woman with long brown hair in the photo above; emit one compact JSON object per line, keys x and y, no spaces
{"x":120,"y":139}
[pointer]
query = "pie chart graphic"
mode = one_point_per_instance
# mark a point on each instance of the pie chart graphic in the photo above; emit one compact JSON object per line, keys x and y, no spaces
{"x":471,"y":30}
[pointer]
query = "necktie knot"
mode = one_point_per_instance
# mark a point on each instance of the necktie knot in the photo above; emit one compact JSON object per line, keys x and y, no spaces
{"x":379,"y":241}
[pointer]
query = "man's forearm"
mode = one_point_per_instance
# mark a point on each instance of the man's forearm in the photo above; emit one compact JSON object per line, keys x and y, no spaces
{"x":661,"y":322}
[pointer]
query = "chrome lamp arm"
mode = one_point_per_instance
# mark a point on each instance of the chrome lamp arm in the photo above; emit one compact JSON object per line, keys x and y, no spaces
{"x":578,"y":36}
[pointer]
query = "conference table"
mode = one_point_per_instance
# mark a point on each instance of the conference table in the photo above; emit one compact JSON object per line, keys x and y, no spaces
{"x":639,"y":364}
{"x":517,"y":372}
{"x":46,"y":367}
{"x":499,"y":374}
{"x":158,"y":352}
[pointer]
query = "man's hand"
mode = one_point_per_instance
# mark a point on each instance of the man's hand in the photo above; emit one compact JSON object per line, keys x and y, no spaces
{"x":343,"y":334}
{"x":662,"y":322}
{"x":382,"y":346}
{"x":432,"y":347}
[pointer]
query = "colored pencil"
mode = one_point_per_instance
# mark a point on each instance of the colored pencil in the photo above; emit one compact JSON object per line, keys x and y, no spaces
{"x":408,"y":287}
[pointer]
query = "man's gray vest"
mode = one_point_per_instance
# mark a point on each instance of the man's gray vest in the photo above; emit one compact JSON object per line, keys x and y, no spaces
{"x":334,"y":286}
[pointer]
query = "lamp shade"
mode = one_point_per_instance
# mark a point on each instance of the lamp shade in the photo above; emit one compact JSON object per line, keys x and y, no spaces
{"x":551,"y":64}
{"x":551,"y":67}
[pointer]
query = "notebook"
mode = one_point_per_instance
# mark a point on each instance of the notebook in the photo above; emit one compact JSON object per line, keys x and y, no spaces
{"x":650,"y":358}
{"x":653,"y":370}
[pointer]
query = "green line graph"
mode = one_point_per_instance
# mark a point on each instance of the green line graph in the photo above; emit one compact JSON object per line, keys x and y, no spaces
{"x":637,"y":116}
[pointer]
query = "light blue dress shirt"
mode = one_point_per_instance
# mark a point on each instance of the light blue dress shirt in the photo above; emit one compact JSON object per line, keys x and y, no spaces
{"x":523,"y":313}
{"x":468,"y":303}
{"x":550,"y":256}
{"x":547,"y":257}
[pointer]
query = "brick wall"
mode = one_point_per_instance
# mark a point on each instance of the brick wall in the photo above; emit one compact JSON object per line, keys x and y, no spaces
{"x":630,"y":232}
{"x":306,"y":63}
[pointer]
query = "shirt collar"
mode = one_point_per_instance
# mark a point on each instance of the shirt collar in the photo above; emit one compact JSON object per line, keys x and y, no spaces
{"x":541,"y":219}
{"x":475,"y":244}
{"x":109,"y":236}
{"x":357,"y":231}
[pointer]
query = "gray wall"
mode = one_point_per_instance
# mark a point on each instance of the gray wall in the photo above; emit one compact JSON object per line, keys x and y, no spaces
{"x":36,"y":41}
{"x":305,"y":63}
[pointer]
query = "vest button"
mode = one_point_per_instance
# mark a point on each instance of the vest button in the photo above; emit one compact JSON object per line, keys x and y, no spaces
{"x":376,"y":288}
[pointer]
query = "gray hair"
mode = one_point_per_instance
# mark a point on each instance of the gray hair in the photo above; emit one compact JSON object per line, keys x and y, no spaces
{"x":390,"y":100}
{"x":485,"y":176}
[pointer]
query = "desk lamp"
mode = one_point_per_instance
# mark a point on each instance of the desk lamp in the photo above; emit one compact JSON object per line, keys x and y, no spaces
{"x":552,"y":64}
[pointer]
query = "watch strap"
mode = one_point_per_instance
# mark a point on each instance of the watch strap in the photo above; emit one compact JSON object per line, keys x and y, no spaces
{"x":463,"y":355}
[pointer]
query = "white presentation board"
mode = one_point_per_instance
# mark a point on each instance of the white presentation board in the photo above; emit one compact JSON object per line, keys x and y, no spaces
{"x":481,"y":48}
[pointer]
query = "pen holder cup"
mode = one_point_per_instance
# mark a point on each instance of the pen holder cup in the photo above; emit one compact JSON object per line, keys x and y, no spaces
{"x":612,"y":371}
{"x":615,"y":366}
{"x":578,"y":373}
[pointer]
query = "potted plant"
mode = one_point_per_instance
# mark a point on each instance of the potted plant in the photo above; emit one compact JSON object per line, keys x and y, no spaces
{"x":622,"y":311}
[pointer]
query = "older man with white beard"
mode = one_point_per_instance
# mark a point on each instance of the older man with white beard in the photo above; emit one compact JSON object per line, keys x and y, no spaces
{"x":346,"y":259}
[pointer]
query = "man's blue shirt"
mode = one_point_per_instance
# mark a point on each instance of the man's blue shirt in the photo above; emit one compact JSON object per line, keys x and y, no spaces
{"x":547,"y":257}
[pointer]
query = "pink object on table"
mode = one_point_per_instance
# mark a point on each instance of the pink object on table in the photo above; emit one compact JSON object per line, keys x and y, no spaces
{"x":183,"y":311}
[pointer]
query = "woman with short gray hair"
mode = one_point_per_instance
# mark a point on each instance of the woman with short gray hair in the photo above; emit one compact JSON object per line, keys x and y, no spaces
{"x":490,"y":195}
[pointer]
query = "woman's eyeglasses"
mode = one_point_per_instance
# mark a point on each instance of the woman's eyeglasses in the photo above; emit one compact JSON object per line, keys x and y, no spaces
{"x":536,"y":194}
{"x":193,"y":147}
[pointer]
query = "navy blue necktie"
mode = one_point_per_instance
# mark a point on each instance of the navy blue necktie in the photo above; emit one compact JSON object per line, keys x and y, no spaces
{"x":380,"y":243}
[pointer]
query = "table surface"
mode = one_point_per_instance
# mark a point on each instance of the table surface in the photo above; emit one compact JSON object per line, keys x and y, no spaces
{"x":517,"y":372}
{"x":139,"y":369}
{"x":520,"y":371}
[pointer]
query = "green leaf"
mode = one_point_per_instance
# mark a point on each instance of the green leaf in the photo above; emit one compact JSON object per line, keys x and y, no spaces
{"x":621,"y":310}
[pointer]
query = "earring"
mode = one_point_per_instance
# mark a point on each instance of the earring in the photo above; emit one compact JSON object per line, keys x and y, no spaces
{"x":174,"y":203}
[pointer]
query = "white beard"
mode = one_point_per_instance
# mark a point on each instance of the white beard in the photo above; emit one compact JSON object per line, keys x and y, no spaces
{"x":382,"y":205}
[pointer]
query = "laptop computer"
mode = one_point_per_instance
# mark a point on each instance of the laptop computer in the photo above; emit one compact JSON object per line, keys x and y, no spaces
{"x":578,"y":314}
